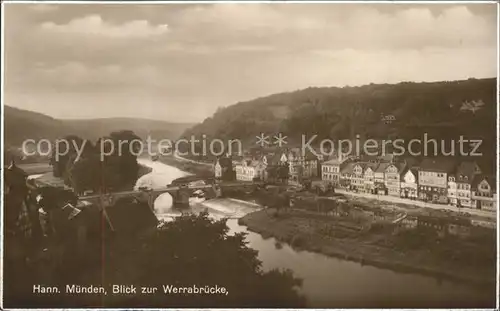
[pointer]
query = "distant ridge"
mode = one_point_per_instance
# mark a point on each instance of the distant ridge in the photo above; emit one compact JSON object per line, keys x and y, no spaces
{"x":24,"y":124}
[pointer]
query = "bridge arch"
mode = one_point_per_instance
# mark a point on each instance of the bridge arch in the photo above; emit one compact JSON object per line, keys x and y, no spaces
{"x":162,"y":203}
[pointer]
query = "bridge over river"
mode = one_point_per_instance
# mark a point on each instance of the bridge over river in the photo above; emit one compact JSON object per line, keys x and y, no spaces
{"x":180,"y":193}
{"x":327,"y":282}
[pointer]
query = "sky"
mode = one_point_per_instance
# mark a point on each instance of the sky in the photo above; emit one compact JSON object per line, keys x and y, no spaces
{"x":180,"y":62}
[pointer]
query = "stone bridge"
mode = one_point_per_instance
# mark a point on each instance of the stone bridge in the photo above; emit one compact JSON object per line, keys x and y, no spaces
{"x":180,"y":194}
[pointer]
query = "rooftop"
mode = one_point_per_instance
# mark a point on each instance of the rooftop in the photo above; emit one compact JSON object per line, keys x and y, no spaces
{"x":444,"y":165}
{"x":466,"y":171}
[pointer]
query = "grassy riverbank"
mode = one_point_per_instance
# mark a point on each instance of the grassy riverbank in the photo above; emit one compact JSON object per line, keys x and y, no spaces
{"x":471,"y":260}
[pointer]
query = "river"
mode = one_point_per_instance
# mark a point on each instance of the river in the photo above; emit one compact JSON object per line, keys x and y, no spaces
{"x":328,"y":282}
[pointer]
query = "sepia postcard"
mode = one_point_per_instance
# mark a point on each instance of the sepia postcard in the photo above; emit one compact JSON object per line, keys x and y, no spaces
{"x":274,"y":154}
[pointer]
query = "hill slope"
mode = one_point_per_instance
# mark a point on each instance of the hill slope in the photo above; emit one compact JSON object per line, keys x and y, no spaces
{"x":23,"y":124}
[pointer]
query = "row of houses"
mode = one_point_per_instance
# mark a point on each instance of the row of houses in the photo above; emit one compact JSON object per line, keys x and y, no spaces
{"x":436,"y":180}
{"x":291,"y":165}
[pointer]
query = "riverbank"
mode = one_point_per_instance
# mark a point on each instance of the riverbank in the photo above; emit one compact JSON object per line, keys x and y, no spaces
{"x":451,"y":258}
{"x":409,"y":252}
{"x":489,"y":216}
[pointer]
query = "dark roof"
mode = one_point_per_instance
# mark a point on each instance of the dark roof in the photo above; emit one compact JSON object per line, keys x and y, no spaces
{"x":399,"y":165}
{"x":309,"y":155}
{"x":381,"y":167}
{"x":480,"y":177}
{"x":362,"y":164}
{"x":236,"y":158}
{"x":465,"y":171}
{"x":414,"y":170}
{"x":297,"y":152}
{"x":373,"y":166}
{"x":334,"y":160}
{"x":411,"y":161}
{"x":402,"y":166}
{"x":444,"y":165}
{"x":387,"y":157}
{"x":274,"y":159}
{"x":348,"y":168}
{"x":369,"y":158}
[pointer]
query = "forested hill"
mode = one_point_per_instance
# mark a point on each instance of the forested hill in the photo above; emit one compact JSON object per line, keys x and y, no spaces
{"x":23,"y":124}
{"x":442,"y":109}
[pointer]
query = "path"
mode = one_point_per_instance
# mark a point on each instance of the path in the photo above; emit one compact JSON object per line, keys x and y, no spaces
{"x":177,"y":156}
{"x":387,"y":198}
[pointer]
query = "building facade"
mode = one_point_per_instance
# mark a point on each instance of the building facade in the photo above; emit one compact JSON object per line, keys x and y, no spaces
{"x":330,"y":170}
{"x":433,"y":180}
{"x":301,"y":166}
{"x":483,"y":193}
{"x":346,"y":175}
{"x":249,"y":170}
{"x":358,"y":177}
{"x":369,"y":176}
{"x":379,"y":178}
{"x":460,"y":184}
{"x":393,"y":178}
{"x":409,"y":184}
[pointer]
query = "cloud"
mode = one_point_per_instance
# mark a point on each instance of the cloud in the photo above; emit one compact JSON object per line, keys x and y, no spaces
{"x":217,"y":54}
{"x":303,"y":26}
{"x":43,"y":8}
{"x":95,"y":25}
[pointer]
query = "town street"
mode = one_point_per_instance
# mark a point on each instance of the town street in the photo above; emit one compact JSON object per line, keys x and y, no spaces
{"x":388,"y":198}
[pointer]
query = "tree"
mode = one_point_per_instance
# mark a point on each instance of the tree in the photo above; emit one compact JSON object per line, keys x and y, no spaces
{"x":126,"y":151}
{"x":272,"y":173}
{"x":198,"y":250}
{"x":84,"y":174}
{"x":64,"y":150}
{"x":117,"y":168}
{"x":300,"y":173}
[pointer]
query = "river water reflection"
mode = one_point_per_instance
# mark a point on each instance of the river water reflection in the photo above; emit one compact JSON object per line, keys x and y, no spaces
{"x":329,"y":282}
